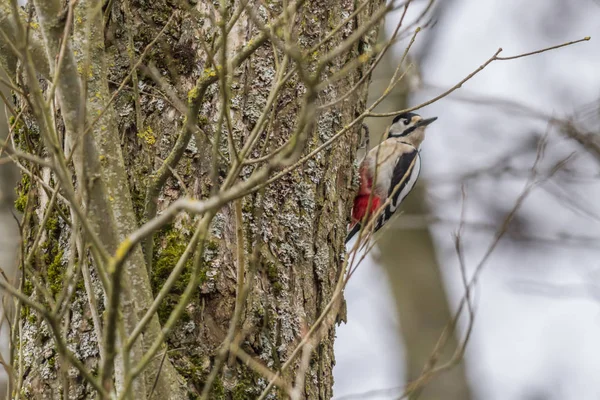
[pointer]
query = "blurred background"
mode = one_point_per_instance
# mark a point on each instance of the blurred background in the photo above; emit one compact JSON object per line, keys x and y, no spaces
{"x":537,"y":317}
{"x":9,"y":233}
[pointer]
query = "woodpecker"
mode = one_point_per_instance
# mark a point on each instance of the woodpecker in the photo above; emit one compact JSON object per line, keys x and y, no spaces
{"x":395,"y":157}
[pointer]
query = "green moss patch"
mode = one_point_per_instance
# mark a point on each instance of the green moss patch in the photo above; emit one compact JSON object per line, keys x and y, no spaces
{"x":22,"y":190}
{"x":169,"y":246}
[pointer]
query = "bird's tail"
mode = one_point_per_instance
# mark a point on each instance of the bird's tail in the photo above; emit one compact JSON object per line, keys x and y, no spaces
{"x":353,"y":232}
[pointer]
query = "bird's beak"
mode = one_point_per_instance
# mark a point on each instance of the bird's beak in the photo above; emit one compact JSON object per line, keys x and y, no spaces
{"x":425,"y":122}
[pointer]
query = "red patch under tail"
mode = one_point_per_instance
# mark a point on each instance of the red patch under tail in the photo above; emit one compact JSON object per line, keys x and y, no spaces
{"x":361,"y":202}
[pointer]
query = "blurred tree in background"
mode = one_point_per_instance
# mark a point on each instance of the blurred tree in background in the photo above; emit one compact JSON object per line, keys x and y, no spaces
{"x":409,"y":258}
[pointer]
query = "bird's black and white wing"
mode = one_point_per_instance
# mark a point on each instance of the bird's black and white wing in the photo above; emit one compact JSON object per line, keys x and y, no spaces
{"x":409,"y":165}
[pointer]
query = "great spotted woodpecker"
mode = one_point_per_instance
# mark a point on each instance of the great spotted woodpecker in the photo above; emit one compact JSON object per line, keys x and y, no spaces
{"x":396,"y":157}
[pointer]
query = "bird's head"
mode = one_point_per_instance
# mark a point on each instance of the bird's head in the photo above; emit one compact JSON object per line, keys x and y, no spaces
{"x":410,"y":127}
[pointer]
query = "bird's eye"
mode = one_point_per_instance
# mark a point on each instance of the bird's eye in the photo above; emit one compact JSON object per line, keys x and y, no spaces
{"x":406,"y":122}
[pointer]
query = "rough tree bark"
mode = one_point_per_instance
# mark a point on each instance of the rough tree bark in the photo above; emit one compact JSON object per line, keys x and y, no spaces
{"x":297,"y":225}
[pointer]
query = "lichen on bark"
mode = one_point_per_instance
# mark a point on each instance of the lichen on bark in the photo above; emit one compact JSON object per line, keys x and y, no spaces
{"x":297,"y":224}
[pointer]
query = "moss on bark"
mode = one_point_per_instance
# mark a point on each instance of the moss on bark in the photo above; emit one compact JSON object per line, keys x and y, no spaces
{"x":301,"y":229}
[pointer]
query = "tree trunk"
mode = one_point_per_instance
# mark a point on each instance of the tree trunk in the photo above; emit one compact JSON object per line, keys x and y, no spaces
{"x":291,"y":242}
